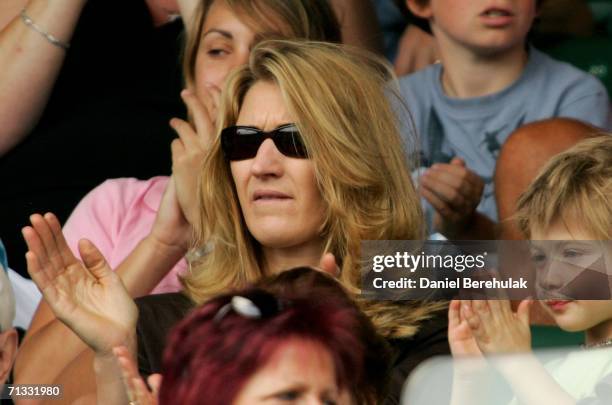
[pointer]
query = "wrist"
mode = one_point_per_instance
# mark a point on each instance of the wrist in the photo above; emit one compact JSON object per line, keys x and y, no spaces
{"x":165,"y":247}
{"x":106,"y":368}
{"x":515,"y":364}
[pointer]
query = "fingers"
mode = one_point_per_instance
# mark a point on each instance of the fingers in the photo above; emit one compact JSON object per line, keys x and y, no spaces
{"x":40,"y":278}
{"x":328,"y":265}
{"x":143,"y":396}
{"x":64,"y":250}
{"x":203,"y":112}
{"x":449,"y":194}
{"x":210,"y":100}
{"x":454,"y":318}
{"x":178,"y":151}
{"x":470,"y":316}
{"x":36,"y":246}
{"x":452,"y":189}
{"x":47,"y":250}
{"x":93,"y":260}
{"x":48,"y":245}
{"x":154,"y":382}
{"x":129,"y":371}
{"x":457,"y":161}
{"x":523,"y":310}
{"x":186,"y":133}
{"x":458,"y":178}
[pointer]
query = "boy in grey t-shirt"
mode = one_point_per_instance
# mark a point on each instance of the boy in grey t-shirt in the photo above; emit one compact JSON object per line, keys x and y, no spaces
{"x":487,"y":85}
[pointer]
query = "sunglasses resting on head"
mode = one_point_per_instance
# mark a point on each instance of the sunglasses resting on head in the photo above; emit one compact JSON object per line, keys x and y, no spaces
{"x":242,"y":142}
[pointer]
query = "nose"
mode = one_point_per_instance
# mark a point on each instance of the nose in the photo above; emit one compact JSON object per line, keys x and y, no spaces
{"x":553,"y":276}
{"x":268,"y":162}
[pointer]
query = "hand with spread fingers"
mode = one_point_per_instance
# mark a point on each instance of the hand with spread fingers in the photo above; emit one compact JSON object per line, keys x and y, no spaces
{"x":454,"y":191}
{"x":86,"y":296}
{"x":136,"y":389}
{"x":460,"y":338}
{"x":190,"y":148}
{"x":496,"y":328}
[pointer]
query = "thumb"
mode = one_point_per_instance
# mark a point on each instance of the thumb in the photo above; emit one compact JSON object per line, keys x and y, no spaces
{"x":457,"y":161}
{"x":154,"y":381}
{"x":328,"y":265}
{"x":522,"y":311}
{"x":93,"y":259}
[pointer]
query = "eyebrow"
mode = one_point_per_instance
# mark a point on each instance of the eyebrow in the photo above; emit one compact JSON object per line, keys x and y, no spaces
{"x":224,"y":33}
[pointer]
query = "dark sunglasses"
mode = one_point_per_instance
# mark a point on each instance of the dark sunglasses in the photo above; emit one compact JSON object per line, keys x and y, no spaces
{"x":240,"y":142}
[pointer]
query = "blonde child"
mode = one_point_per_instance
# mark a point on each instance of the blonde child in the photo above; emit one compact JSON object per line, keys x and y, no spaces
{"x":570,"y":202}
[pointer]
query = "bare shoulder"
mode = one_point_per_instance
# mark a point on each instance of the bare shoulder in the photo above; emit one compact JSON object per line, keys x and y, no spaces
{"x":9,"y":9}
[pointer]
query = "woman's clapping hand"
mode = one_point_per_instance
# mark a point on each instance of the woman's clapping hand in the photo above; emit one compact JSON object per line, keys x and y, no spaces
{"x":86,"y":296}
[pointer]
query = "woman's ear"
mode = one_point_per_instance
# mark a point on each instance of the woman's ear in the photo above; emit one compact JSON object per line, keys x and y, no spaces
{"x":420,"y":8}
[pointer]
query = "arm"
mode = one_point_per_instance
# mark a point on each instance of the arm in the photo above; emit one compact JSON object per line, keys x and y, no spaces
{"x":141,"y":271}
{"x":89,"y":298}
{"x":145,"y":266}
{"x":358,"y":24}
{"x":29,"y":63}
{"x":468,"y":361}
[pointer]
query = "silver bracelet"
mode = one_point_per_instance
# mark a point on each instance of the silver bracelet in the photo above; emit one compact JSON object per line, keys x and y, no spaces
{"x":30,"y":23}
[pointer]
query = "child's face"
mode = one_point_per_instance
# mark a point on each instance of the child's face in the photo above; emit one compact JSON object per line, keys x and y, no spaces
{"x":485,"y":27}
{"x":573,"y":315}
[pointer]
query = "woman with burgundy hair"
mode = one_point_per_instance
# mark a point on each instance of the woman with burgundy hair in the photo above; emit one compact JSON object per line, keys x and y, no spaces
{"x":294,"y":338}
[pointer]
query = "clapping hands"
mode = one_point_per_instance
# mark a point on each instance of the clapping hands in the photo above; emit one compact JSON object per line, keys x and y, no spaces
{"x":86,"y":296}
{"x":454,"y":191}
{"x":479,"y":327}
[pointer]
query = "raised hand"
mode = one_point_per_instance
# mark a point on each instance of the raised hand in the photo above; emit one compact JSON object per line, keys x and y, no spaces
{"x":136,"y":389}
{"x":454,"y":191}
{"x":88,"y":297}
{"x":460,"y":338}
{"x":171,"y":228}
{"x":496,"y":328}
{"x":189,"y":150}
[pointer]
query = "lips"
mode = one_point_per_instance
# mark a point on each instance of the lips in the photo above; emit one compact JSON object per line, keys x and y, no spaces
{"x":269,"y":195}
{"x":496,"y":12}
{"x":495,"y":17}
{"x":557,"y":305}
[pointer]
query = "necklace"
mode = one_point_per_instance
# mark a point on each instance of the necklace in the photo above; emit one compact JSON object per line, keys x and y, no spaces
{"x":597,"y":345}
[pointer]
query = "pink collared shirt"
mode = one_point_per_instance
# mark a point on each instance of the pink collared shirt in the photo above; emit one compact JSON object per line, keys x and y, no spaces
{"x":117,"y":215}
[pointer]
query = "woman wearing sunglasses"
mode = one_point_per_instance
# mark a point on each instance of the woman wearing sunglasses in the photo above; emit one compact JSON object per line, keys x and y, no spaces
{"x":143,"y":239}
{"x":309,"y":163}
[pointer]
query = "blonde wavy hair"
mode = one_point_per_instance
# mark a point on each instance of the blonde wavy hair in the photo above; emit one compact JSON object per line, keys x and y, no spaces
{"x":339,"y":98}
{"x":296,"y":19}
{"x":574,"y":187}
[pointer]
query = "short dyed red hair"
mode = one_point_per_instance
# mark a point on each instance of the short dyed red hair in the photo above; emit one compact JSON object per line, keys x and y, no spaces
{"x":209,"y":361}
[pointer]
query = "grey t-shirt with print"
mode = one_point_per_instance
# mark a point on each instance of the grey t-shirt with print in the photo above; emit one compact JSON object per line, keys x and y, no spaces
{"x":474,"y":129}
